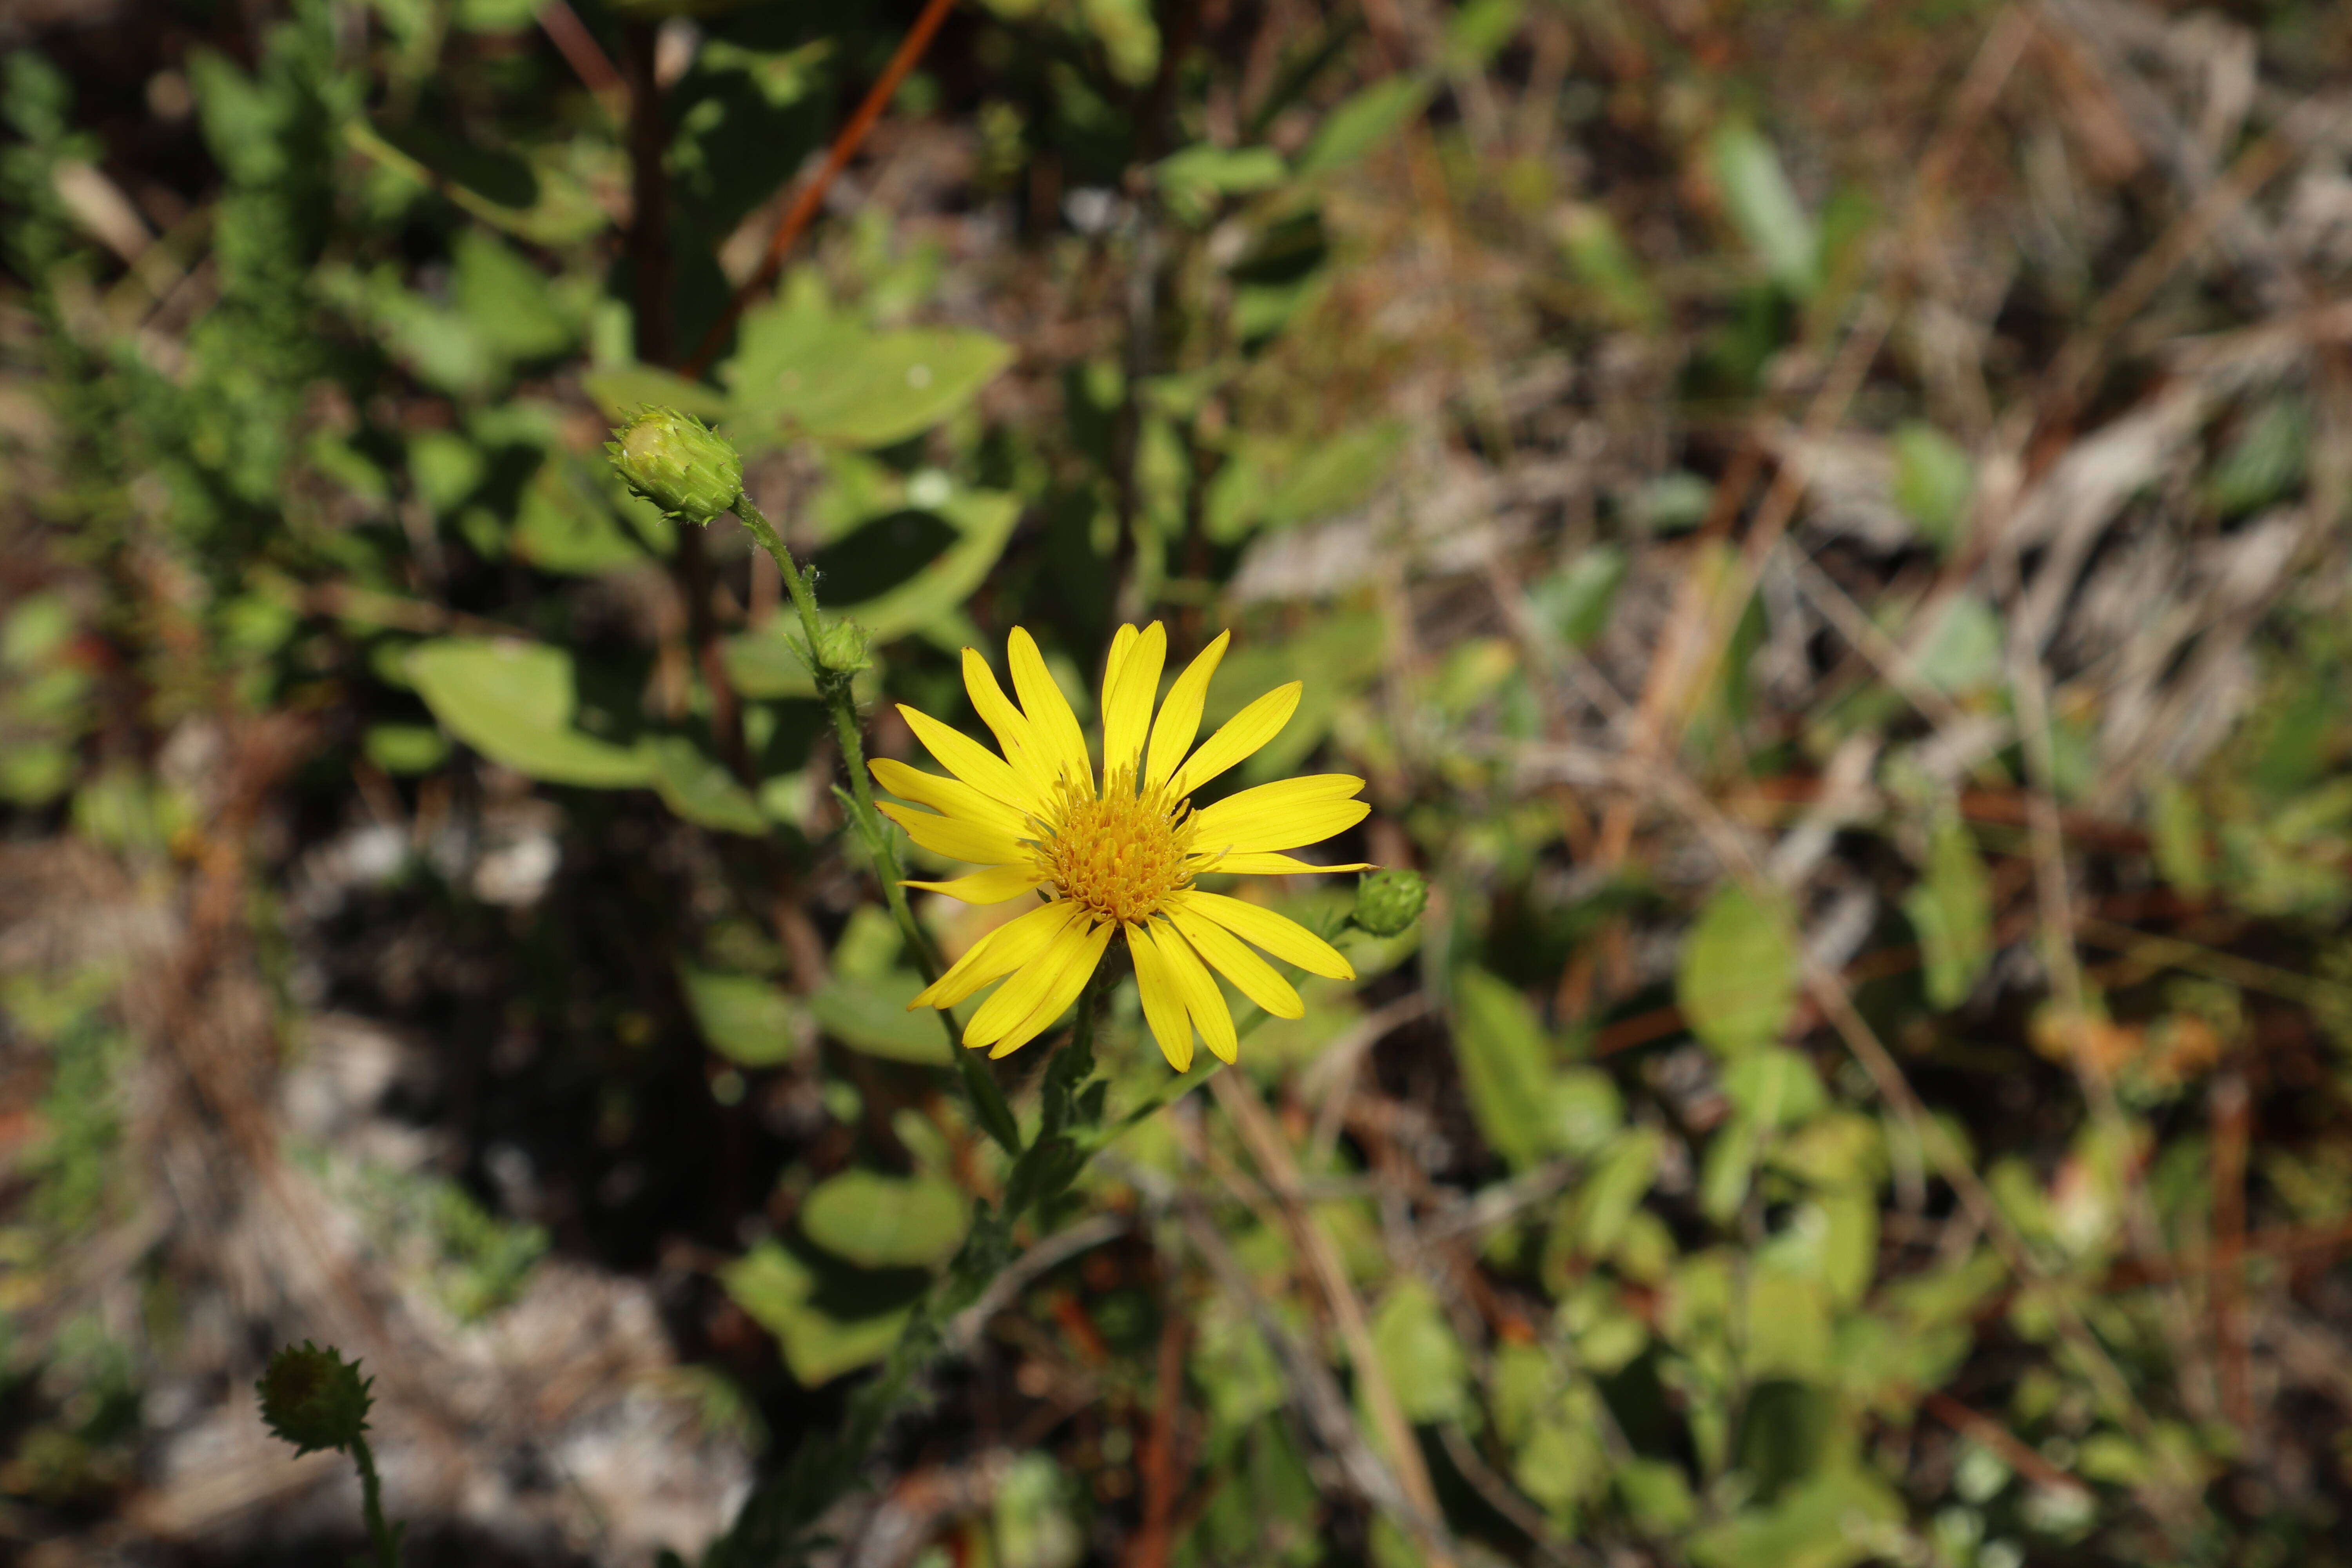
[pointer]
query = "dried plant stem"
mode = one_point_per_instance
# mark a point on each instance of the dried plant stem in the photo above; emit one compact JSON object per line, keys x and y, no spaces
{"x":1396,"y":1434}
{"x":803,"y":208}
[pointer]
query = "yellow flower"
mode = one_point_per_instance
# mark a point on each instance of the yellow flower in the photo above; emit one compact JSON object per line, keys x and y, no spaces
{"x":1118,"y":859}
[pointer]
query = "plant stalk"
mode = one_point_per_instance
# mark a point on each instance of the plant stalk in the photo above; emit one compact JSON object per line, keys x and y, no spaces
{"x":835,"y":687}
{"x":383,"y":1537}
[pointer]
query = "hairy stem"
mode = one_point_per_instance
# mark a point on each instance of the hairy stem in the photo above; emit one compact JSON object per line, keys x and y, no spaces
{"x":385,"y":1539}
{"x":833,"y":686}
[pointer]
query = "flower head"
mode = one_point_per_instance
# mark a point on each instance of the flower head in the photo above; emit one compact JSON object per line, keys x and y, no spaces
{"x":313,"y":1398}
{"x":676,"y":462}
{"x":1387,"y":902}
{"x":1115,"y":852}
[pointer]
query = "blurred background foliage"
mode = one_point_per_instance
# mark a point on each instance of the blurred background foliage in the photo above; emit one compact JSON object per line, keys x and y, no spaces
{"x":1823,"y":524}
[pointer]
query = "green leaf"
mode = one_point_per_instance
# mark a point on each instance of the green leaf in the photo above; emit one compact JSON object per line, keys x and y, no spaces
{"x":886,"y":1222}
{"x":1129,"y":37}
{"x":1582,"y":1110}
{"x":1951,"y":909}
{"x":446,"y":468}
{"x":1789,"y":1325}
{"x":1419,"y":1353}
{"x":1840,"y":1518}
{"x":1964,"y":654}
{"x":1505,"y":1066}
{"x":747,"y":1019}
{"x":697,"y":786}
{"x":1479,"y":31}
{"x":1738,"y":980}
{"x":1607,"y":267}
{"x":1334,"y":475}
{"x":2176,"y":829}
{"x":931,"y":601}
{"x":778,"y":1291}
{"x":512,"y":702}
{"x":2263,"y":462}
{"x":804,"y":370}
{"x":1728,"y":1169}
{"x":1934,"y":478}
{"x":507,"y":303}
{"x":1575,"y":601}
{"x":1192,"y":180}
{"x":1657,"y":1496}
{"x":871,"y":1015}
{"x":622,"y":390}
{"x":764,"y":663}
{"x":566,"y":523}
{"x":406,"y":749}
{"x":1606,"y":1199}
{"x":1764,"y":207}
{"x":539,"y":203}
{"x":1362,"y":123}
{"x":1775,"y":1088}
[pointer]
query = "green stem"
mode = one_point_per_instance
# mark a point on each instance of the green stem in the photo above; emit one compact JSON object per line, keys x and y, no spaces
{"x":835,"y":687}
{"x":385,"y":1539}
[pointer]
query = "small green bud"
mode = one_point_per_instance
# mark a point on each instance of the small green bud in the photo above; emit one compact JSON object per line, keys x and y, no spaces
{"x":678,"y":463}
{"x":313,"y":1398}
{"x":1389,"y":902}
{"x":841,"y":647}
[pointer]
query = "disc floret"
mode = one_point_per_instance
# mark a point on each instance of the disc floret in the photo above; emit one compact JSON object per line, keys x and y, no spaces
{"x":1122,"y":855}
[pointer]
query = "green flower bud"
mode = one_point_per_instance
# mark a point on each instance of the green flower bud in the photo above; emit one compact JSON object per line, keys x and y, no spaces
{"x":313,"y":1398}
{"x":1389,"y":902}
{"x":678,"y":463}
{"x":841,"y":647}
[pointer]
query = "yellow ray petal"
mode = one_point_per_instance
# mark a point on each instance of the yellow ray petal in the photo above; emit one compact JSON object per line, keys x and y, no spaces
{"x":990,"y":887}
{"x":1122,"y":642}
{"x":1203,"y":1000}
{"x":954,"y":838}
{"x":1064,"y":991}
{"x":1253,"y":977}
{"x":1012,"y":1000}
{"x":1286,"y":829}
{"x":1015,"y":737}
{"x":1163,"y":1002}
{"x":1061,"y":744}
{"x":1270,"y":865}
{"x":1128,"y":700}
{"x":1238,"y":737}
{"x":951,"y":796}
{"x":1001,"y":951}
{"x":1278,"y":934}
{"x":1251,"y":819}
{"x":972,"y":763}
{"x":1179,"y":724}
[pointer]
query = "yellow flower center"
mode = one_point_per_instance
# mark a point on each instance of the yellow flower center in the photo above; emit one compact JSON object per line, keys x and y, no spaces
{"x":1118,"y":855}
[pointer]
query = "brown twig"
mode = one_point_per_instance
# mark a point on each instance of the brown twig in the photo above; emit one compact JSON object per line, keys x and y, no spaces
{"x":2233,"y":1127}
{"x":573,"y":41}
{"x":1163,"y":1475}
{"x":2019,"y":1455}
{"x":797,"y":217}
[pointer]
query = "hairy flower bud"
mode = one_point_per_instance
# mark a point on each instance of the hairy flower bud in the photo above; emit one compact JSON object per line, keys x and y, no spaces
{"x":841,"y":648}
{"x":313,"y":1398}
{"x":1389,"y":902}
{"x":678,"y":463}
